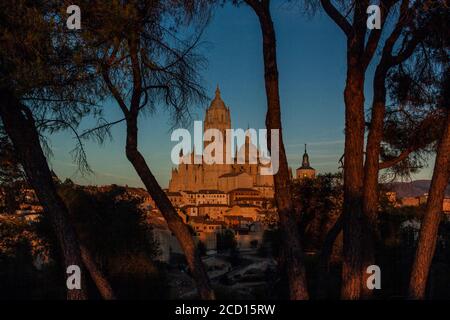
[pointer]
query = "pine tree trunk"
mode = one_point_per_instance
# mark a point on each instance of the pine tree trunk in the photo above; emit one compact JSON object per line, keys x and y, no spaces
{"x":23,"y":134}
{"x":174,"y":221}
{"x":353,"y":180}
{"x":101,"y":283}
{"x":371,"y":173}
{"x":293,"y":252}
{"x":324,"y":257}
{"x":430,"y":222}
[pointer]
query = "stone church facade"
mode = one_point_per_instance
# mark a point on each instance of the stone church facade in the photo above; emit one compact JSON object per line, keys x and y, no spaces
{"x":223,"y":177}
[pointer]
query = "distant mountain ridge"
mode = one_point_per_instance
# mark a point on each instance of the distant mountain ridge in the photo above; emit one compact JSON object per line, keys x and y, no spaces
{"x":412,"y":189}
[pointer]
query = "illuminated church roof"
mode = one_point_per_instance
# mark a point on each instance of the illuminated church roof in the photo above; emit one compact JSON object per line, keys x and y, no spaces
{"x":305,"y":161}
{"x":217,"y":102}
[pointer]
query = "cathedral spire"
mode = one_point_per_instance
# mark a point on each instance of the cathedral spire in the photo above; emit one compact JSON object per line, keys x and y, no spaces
{"x":306,"y":171}
{"x":305,"y":162}
{"x":217,"y":91}
{"x":217,"y":102}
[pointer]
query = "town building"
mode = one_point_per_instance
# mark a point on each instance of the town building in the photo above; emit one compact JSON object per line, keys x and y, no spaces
{"x":239,"y":194}
{"x":211,"y":197}
{"x":190,"y":210}
{"x":446,"y":206}
{"x":206,"y":230}
{"x":410,"y":201}
{"x":248,"y":210}
{"x":176,"y":198}
{"x":213,"y":211}
{"x":305,"y":171}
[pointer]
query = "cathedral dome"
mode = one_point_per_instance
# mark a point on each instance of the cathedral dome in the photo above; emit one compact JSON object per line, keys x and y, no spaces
{"x":217,"y":102}
{"x":218,"y":115}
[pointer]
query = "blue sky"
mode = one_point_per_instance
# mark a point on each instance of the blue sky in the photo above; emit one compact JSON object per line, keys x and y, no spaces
{"x":311,"y":60}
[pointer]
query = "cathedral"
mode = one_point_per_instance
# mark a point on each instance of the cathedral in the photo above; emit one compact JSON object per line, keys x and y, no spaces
{"x":223,"y":177}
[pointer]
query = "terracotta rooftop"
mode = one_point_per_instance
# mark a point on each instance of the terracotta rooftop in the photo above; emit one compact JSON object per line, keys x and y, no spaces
{"x":210,"y":191}
{"x":244,"y":189}
{"x":213,"y":205}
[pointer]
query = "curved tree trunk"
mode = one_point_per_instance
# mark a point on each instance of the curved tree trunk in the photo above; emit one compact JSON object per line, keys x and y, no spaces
{"x":101,"y":283}
{"x":432,"y":218}
{"x":23,"y":134}
{"x":22,"y":131}
{"x":292,"y":249}
{"x":174,"y":221}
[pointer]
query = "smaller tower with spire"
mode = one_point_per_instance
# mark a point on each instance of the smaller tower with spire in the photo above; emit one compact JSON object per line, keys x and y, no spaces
{"x":306,"y":171}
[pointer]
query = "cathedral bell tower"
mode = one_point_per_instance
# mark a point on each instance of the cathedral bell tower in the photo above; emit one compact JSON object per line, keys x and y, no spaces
{"x":218,"y":117}
{"x":306,"y":171}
